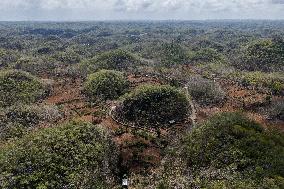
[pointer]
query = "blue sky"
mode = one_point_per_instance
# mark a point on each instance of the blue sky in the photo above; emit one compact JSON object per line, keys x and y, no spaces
{"x":140,"y":9}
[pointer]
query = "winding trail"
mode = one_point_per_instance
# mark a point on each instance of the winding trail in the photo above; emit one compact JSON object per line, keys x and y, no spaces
{"x":193,"y":110}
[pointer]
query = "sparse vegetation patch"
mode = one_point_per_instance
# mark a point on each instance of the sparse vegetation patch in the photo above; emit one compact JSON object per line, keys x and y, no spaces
{"x":205,"y":92}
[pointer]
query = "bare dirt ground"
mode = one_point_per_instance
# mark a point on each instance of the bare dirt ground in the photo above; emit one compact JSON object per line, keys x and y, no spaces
{"x":246,"y":100}
{"x":66,"y":93}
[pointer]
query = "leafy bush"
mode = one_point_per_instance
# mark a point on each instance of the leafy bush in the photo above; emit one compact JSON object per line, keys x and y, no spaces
{"x":73,"y":71}
{"x":214,"y":69}
{"x":277,"y":87}
{"x":16,"y":120}
{"x":206,"y":55}
{"x":11,"y":130}
{"x":106,"y":85}
{"x":76,"y":155}
{"x":263,"y":55}
{"x":36,"y":66}
{"x":253,"y":78}
{"x":19,"y":87}
{"x":231,"y":141}
{"x":7,"y":57}
{"x":151,"y":105}
{"x":23,"y":115}
{"x":30,"y":115}
{"x":276,"y":110}
{"x":227,"y":151}
{"x":204,"y":91}
{"x":169,"y":180}
{"x":172,"y":54}
{"x":274,"y":80}
{"x":68,"y":57}
{"x":113,"y":60}
{"x":174,"y":76}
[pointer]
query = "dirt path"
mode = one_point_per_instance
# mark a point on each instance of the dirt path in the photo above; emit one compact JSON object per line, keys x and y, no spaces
{"x":193,"y":115}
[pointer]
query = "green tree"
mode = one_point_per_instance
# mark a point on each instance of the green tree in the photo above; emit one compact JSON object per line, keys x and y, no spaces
{"x":75,"y":155}
{"x":263,"y":55}
{"x":113,"y":60}
{"x":230,"y":141}
{"x":106,"y":85}
{"x":151,"y":105}
{"x":172,"y":54}
{"x":227,"y":151}
{"x":19,"y":87}
{"x":206,"y":55}
{"x":68,"y":57}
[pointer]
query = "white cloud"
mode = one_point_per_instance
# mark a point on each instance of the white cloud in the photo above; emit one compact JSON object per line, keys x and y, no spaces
{"x":278,"y":1}
{"x":161,"y":9}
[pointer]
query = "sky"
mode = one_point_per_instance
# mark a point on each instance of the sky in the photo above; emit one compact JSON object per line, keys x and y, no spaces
{"x":77,"y":10}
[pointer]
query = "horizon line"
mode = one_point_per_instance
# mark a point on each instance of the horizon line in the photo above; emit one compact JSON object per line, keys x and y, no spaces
{"x":145,"y":20}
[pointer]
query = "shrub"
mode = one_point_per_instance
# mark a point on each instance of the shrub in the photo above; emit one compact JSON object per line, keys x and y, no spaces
{"x":9,"y":130}
{"x":68,"y":57}
{"x":172,"y":54}
{"x":114,"y":60}
{"x":23,"y":115}
{"x":23,"y":118}
{"x":205,"y":92}
{"x":232,"y":141}
{"x":36,"y":66}
{"x":151,"y":105}
{"x":19,"y":87}
{"x":276,"y":110}
{"x":106,"y":85}
{"x":7,"y":57}
{"x":30,"y":116}
{"x":74,"y":71}
{"x":254,"y":78}
{"x":227,"y":151}
{"x":263,"y":55}
{"x":162,"y":54}
{"x":277,"y":87}
{"x":274,"y":80}
{"x":206,"y":55}
{"x":76,"y":155}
